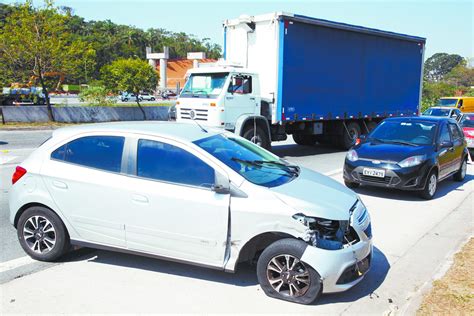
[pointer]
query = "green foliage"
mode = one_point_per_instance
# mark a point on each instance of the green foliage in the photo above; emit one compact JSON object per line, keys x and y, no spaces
{"x":432,"y":91}
{"x":439,"y":65}
{"x":461,"y":76}
{"x":96,"y":95}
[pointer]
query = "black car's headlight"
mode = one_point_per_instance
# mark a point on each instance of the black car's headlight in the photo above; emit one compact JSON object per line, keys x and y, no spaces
{"x":352,"y":155}
{"x":412,"y":161}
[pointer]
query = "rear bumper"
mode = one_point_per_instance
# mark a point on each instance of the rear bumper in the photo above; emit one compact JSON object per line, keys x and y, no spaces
{"x":413,"y":178}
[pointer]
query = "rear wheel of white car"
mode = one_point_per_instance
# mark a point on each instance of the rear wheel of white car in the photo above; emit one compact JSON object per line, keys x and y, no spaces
{"x":42,"y":234}
{"x":430,"y":187}
{"x":283,"y":275}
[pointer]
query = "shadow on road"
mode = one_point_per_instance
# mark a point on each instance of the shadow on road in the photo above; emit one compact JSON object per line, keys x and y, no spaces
{"x":245,"y":275}
{"x":3,"y":143}
{"x":444,"y":187}
{"x":294,"y":150}
{"x":367,"y":287}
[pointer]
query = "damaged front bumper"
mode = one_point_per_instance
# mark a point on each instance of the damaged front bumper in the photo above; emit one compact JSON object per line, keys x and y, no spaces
{"x":343,"y":268}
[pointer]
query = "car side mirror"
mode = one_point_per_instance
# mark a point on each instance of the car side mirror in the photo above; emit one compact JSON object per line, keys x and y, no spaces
{"x":446,"y":144}
{"x":363,"y":137}
{"x":222,"y":184}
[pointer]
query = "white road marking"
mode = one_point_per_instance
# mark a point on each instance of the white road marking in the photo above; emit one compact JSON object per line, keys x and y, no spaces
{"x":333,"y":172}
{"x":5,"y":160}
{"x":15,"y":263}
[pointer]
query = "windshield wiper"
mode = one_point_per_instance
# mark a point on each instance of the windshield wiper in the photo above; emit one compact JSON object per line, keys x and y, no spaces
{"x":291,"y":169}
{"x":401,"y":142}
{"x":195,"y":93}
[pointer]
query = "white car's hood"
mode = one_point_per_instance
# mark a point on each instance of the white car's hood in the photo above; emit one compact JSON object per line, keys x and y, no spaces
{"x":314,"y":194}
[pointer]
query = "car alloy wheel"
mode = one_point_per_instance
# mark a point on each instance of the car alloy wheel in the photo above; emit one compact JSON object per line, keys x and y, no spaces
{"x":288,"y":275}
{"x":39,"y":234}
{"x":463,"y":168}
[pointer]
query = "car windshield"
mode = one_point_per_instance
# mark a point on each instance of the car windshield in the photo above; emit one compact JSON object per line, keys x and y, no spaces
{"x":467,"y":121}
{"x":408,"y":133}
{"x":204,"y":85}
{"x":447,"y":102}
{"x":249,"y":160}
{"x":436,"y":112}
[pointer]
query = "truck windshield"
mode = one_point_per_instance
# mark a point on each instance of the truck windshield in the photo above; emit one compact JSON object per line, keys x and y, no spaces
{"x":447,"y":102}
{"x":249,"y":160}
{"x":205,"y":85}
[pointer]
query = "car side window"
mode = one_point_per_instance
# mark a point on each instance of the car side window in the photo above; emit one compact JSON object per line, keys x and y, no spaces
{"x":444,"y":135}
{"x":455,"y":132}
{"x":100,"y":152}
{"x":165,"y":162}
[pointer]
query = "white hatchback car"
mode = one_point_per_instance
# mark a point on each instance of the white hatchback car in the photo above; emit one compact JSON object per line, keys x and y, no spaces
{"x":183,"y":193}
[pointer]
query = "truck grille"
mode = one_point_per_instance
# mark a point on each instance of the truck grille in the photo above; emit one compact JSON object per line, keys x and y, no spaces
{"x":196,"y":114}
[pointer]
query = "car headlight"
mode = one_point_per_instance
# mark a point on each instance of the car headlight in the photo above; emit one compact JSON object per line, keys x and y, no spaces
{"x":352,"y":155}
{"x":412,"y":161}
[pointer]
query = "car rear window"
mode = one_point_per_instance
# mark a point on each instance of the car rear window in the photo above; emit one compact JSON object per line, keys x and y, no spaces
{"x":100,"y":152}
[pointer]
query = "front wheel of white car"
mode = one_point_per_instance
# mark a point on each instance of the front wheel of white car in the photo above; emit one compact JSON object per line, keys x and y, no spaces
{"x":283,"y":275}
{"x":42,"y":234}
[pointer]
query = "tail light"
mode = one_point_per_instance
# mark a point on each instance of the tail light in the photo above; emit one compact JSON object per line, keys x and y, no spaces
{"x":19,"y":172}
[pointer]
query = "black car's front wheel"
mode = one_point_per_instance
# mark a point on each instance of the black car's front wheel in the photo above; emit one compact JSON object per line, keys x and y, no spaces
{"x":431,"y":185}
{"x":283,"y":275}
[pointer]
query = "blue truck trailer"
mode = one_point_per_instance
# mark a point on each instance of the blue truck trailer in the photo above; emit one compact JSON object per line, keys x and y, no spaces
{"x":317,"y":80}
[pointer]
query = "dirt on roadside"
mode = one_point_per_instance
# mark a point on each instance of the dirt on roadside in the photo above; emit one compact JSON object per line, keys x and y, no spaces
{"x":453,"y":294}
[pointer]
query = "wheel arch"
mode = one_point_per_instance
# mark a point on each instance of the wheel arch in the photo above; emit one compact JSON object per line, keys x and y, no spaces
{"x":245,"y":120}
{"x":255,"y":245}
{"x":33,"y":204}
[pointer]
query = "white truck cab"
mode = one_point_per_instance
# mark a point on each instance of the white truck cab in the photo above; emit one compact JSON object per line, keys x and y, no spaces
{"x":226,"y":97}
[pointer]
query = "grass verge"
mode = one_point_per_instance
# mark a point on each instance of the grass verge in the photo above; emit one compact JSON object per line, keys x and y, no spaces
{"x":453,"y":294}
{"x":45,"y":125}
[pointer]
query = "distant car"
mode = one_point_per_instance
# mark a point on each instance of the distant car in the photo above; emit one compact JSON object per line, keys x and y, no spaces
{"x":412,"y":153}
{"x":443,"y":111}
{"x":125,"y":97}
{"x":467,"y":125}
{"x":145,"y":96}
{"x":166,"y":94}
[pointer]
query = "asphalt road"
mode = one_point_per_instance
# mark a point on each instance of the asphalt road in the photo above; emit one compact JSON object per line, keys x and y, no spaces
{"x":413,"y":240}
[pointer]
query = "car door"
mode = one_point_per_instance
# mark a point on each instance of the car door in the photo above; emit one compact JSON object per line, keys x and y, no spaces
{"x":83,"y":177}
{"x":458,"y":146}
{"x":174,"y":212}
{"x":239,"y":99}
{"x":446,"y":153}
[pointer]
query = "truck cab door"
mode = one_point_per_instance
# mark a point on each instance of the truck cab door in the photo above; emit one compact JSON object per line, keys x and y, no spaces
{"x":240,"y":99}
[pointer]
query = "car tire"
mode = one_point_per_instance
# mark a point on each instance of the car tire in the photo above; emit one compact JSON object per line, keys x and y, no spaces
{"x":258,"y":137}
{"x":299,"y":284}
{"x":461,"y":174}
{"x":351,"y":185}
{"x":125,"y":100}
{"x":152,"y":99}
{"x":42,"y":234}
{"x":431,"y":185}
{"x":348,"y":140}
{"x":304,"y":140}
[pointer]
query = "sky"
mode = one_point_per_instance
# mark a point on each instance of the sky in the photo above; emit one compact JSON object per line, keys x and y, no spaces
{"x":447,"y":25}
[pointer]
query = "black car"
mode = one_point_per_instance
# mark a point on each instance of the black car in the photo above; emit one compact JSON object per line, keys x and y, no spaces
{"x":411,"y":153}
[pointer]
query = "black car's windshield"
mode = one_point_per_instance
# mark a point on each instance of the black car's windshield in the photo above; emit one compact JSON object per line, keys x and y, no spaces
{"x":206,"y":85}
{"x":467,"y":121}
{"x":446,"y":102}
{"x":404,"y":132}
{"x":437,"y":112}
{"x":252,"y":162}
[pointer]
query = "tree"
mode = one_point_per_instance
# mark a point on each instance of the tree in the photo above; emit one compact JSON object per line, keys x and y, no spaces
{"x":96,"y":95}
{"x":130,"y":75}
{"x":432,"y":91}
{"x":35,"y":42}
{"x":439,"y":65}
{"x":461,"y":76}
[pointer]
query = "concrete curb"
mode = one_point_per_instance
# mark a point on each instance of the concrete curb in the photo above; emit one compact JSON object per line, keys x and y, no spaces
{"x":82,"y":114}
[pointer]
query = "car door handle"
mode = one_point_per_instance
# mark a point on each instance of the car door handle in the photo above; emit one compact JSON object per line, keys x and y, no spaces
{"x":59,"y":184}
{"x":140,"y":198}
{"x":252,"y":99}
{"x":451,"y":149}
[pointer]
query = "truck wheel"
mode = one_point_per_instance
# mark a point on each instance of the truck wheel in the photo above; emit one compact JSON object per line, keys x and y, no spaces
{"x":350,"y":135}
{"x":257,"y":136}
{"x":283,"y":275}
{"x":371,"y":126}
{"x":305,"y":140}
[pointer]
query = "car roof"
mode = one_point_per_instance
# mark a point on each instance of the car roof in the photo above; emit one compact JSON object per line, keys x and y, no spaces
{"x":442,"y":107}
{"x":179,"y":131}
{"x":433,"y":119}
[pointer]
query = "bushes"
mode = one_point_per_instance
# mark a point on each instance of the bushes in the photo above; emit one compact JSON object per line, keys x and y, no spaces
{"x":97,"y":95}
